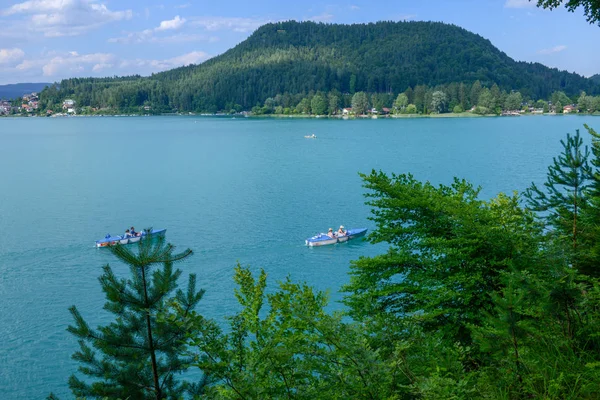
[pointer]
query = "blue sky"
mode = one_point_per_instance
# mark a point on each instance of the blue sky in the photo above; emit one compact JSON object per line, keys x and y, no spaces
{"x":48,"y":40}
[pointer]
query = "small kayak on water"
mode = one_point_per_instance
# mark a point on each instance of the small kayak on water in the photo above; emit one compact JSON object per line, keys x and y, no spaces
{"x":122,"y":239}
{"x":322,"y":239}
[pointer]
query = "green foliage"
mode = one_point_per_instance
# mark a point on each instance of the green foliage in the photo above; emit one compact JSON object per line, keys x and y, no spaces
{"x":334,"y":104}
{"x":448,"y":250}
{"x":591,"y":7}
{"x":401,"y":102}
{"x":458,"y":109}
{"x":138,"y":355}
{"x":411,"y":109}
{"x":318,"y":104}
{"x":558,"y":107}
{"x":481,"y":110}
{"x":513,"y":101}
{"x":565,"y":193}
{"x":439,"y":101}
{"x":284,"y":345}
{"x":360,"y":103}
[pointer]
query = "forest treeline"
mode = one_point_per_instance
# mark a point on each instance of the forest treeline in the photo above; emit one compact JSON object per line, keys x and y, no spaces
{"x":474,"y":299}
{"x":303,"y":58}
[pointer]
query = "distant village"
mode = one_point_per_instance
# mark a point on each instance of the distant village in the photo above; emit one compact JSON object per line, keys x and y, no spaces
{"x":29,"y":106}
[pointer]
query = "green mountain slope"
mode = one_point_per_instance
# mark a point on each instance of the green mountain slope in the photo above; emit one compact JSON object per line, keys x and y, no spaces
{"x":596,"y":78}
{"x":299,"y":57}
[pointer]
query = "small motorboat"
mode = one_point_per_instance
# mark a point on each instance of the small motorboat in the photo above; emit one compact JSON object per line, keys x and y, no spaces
{"x":313,"y":136}
{"x":322,"y":239}
{"x":122,"y":239}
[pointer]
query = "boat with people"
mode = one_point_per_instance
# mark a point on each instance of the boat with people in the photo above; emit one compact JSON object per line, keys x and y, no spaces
{"x":324,"y":239}
{"x":313,"y":136}
{"x":129,"y":238}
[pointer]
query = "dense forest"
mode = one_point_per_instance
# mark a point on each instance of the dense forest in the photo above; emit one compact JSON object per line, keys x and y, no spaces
{"x":474,"y":299}
{"x":299,"y":58}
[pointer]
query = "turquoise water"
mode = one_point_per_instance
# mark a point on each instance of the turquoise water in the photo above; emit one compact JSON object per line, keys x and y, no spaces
{"x":247,"y":190}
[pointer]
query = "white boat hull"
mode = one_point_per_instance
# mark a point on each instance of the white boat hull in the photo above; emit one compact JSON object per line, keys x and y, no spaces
{"x":323,"y":239}
{"x":111,"y":241}
{"x":322,"y":242}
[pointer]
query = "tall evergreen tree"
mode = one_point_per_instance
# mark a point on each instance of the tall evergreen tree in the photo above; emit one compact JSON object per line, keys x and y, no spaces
{"x":138,"y":355}
{"x":565,"y":195}
{"x":591,"y":215}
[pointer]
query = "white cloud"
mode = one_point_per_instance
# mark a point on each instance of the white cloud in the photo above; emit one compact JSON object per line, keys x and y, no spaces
{"x":406,"y":17}
{"x":555,"y":49}
{"x":54,"y":66}
{"x":11,"y":56}
{"x":147,"y":36}
{"x":101,"y":67}
{"x":174,"y":23}
{"x":38,"y":6}
{"x":325,"y":17}
{"x":242,"y":25}
{"x":184,"y":38}
{"x":195,"y":57}
{"x":235,"y":24}
{"x":26,"y":65}
{"x":354,"y":7}
{"x":73,"y":63}
{"x":55,"y":18}
{"x":519,"y":4}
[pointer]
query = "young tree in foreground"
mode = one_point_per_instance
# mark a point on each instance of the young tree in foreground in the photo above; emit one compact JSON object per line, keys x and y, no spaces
{"x":137,"y":355}
{"x":566,"y":192}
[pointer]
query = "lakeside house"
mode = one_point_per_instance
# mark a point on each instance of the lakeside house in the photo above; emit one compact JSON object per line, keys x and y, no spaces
{"x":569,"y":109}
{"x":5,"y":107}
{"x":347,"y":111}
{"x":30,"y":97}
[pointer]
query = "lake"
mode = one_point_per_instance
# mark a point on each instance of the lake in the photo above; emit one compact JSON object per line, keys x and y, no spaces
{"x":233,"y":190}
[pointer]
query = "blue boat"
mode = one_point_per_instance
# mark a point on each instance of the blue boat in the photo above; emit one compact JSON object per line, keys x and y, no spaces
{"x":122,"y":239}
{"x":322,"y":239}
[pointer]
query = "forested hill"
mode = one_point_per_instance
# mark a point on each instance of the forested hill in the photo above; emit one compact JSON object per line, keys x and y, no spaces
{"x":300,"y":57}
{"x":596,"y":78}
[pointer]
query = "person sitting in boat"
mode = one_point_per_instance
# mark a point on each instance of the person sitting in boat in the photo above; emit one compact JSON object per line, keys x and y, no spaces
{"x":341,"y":231}
{"x":127,"y":234}
{"x":134,"y":233}
{"x":330,"y":233}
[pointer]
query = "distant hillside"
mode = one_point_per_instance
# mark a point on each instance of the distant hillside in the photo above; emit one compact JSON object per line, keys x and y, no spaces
{"x":596,"y":78}
{"x":19,"y":89}
{"x":300,"y":57}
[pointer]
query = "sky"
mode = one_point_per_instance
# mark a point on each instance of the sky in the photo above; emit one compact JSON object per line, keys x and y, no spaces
{"x":49,"y":40}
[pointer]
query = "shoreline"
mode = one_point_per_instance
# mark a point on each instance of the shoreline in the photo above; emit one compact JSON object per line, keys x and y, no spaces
{"x":302,"y":116}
